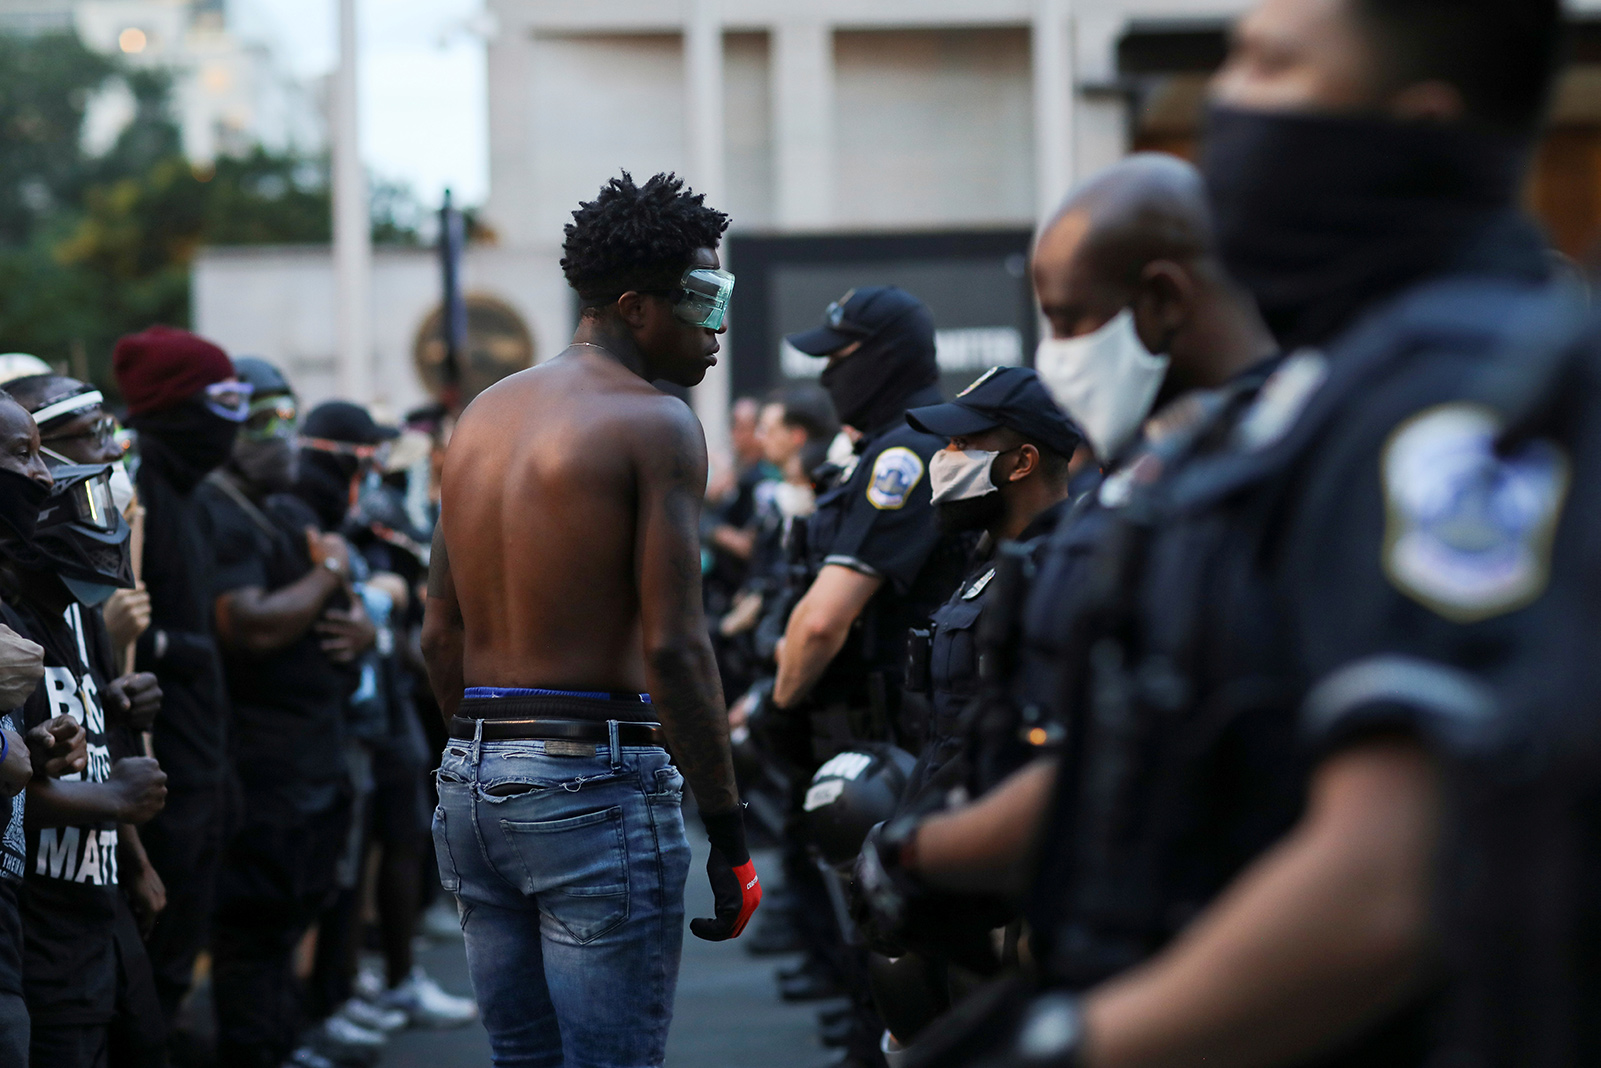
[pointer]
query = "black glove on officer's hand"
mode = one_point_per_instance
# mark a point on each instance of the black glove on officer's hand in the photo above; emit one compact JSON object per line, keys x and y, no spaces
{"x":882,"y":889}
{"x":735,"y":888}
{"x":1006,"y":1024}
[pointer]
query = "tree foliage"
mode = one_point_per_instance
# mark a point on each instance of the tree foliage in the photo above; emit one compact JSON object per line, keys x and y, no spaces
{"x":92,"y":247}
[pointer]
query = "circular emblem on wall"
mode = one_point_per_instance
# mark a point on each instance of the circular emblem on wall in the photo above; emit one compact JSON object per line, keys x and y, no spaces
{"x":499,"y":343}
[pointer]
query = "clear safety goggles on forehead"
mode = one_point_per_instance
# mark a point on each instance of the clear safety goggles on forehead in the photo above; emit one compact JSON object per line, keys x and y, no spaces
{"x":230,"y":400}
{"x":703,"y":296}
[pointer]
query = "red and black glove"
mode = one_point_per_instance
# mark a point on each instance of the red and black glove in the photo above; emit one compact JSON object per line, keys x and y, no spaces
{"x":735,"y":888}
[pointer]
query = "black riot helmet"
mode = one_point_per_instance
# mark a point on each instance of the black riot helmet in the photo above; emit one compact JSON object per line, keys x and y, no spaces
{"x":81,"y":536}
{"x":853,"y":791}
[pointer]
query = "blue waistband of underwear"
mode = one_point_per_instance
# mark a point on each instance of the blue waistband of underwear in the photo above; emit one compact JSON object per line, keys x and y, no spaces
{"x":588,"y":695}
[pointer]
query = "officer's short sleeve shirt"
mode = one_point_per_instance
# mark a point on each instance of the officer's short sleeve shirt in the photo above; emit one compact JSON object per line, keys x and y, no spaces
{"x":887,"y":527}
{"x":1414,"y":558}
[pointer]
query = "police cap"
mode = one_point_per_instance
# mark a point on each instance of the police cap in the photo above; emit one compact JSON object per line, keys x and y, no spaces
{"x":861,"y":315}
{"x":1012,"y":397}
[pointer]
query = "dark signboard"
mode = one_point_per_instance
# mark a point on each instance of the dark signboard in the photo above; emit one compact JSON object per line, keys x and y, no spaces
{"x":975,"y":282}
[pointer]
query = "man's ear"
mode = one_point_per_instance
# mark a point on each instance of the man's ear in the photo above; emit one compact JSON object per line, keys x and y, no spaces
{"x":1028,"y":461}
{"x":1162,"y":303}
{"x":633,"y":309}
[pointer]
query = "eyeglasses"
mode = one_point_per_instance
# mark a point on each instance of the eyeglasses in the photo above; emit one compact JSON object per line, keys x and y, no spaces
{"x":271,"y":417}
{"x":102,"y":432}
{"x":229,"y":400}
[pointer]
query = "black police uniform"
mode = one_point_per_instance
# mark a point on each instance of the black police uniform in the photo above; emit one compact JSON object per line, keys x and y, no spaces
{"x":950,"y":672}
{"x":880,"y":521}
{"x":279,"y":869}
{"x":1268,"y":601}
{"x":1520,"y":881}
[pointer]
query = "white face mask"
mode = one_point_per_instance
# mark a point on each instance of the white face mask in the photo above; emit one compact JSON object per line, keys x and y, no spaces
{"x":1107,"y":381}
{"x":961,"y":476}
{"x":121,"y":487}
{"x":794,"y":502}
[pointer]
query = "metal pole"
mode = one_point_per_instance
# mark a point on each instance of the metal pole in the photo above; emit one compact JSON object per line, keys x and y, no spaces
{"x":352,"y":225}
{"x":1055,"y":102}
{"x":703,"y":66}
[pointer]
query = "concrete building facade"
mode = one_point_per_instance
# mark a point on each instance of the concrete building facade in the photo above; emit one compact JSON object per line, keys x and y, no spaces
{"x":839,"y":117}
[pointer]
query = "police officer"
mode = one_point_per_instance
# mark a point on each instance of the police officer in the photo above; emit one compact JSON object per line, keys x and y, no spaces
{"x":1005,"y":472}
{"x":880,"y":559}
{"x":1290,"y":620}
{"x":881,"y":564}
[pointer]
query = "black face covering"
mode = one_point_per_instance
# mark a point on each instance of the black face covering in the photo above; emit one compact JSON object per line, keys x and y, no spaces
{"x":20,"y":500}
{"x":269,"y":464}
{"x":1319,"y":216}
{"x":975,"y":513}
{"x":186,"y":442}
{"x":324,"y":483}
{"x":871,"y":386}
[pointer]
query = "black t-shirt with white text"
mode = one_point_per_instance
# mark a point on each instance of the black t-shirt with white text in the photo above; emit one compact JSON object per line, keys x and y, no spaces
{"x":69,"y":886}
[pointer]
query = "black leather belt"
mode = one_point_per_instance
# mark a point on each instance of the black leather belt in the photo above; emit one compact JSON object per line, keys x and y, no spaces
{"x":634,"y":735}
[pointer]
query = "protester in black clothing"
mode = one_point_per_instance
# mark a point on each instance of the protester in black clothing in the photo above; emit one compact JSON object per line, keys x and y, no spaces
{"x":176,"y":388}
{"x":291,"y":632}
{"x":76,"y":429}
{"x":24,"y":484}
{"x":74,"y":964}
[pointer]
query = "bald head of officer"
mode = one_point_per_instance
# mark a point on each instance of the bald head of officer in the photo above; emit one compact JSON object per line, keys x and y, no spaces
{"x":1140,"y":308}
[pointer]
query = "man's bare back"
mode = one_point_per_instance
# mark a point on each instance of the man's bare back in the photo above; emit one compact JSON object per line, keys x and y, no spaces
{"x":541,"y":514}
{"x":541,"y":519}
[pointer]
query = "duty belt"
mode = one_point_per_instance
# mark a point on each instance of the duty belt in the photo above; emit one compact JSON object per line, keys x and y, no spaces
{"x":635,"y":735}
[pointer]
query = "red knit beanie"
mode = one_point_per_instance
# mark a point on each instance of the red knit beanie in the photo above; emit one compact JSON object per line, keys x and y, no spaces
{"x":163,"y":366}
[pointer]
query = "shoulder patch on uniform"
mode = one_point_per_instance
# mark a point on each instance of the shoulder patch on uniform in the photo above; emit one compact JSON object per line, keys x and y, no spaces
{"x":895,"y":473}
{"x":1283,"y":398}
{"x":1468,"y":533}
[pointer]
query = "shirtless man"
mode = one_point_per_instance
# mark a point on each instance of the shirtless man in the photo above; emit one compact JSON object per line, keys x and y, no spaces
{"x":564,"y":620}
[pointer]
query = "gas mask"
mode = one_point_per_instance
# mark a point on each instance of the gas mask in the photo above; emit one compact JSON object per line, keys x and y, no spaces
{"x":1107,"y":381}
{"x":121,"y":486}
{"x":81,"y":535}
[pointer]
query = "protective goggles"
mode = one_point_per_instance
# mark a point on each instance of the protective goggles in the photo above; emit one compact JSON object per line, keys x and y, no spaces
{"x":367,"y":454}
{"x":85,"y":500}
{"x":702,"y":297}
{"x":272,"y":417}
{"x":229,"y":400}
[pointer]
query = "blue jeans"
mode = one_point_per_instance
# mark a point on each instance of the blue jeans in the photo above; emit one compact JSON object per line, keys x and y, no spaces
{"x":569,"y":875}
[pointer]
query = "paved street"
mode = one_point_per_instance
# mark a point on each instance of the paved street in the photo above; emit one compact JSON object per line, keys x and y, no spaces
{"x":728,"y":1013}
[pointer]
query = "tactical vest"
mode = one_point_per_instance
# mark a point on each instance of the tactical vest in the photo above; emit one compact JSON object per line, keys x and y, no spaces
{"x":1179,"y":685}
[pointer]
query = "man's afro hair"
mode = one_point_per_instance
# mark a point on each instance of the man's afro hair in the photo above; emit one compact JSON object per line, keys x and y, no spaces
{"x":634,"y":237}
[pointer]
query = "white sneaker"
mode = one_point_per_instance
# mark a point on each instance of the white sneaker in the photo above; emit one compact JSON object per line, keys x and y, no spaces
{"x":426,"y":1005}
{"x":346,"y":1033}
{"x":370,"y":984}
{"x":441,"y":920}
{"x":372,"y":1017}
